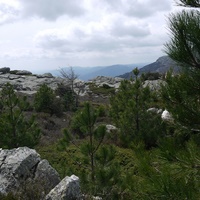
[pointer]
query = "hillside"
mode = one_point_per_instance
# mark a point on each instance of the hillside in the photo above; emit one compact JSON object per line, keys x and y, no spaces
{"x":161,"y":65}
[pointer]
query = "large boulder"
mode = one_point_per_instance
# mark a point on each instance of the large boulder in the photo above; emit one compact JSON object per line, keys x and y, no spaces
{"x":23,"y":166}
{"x":67,"y":189}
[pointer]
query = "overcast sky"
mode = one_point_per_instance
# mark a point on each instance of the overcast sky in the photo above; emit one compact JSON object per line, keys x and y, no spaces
{"x":49,"y":34}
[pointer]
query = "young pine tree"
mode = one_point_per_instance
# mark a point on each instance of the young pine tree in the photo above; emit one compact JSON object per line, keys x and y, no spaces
{"x":129,"y":110}
{"x":15,"y":129}
{"x":99,"y":174}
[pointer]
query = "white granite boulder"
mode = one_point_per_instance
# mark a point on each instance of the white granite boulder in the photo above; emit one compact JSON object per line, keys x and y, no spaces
{"x":17,"y":166}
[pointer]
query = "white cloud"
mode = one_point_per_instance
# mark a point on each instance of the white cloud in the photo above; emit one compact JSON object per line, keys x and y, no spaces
{"x":9,"y":11}
{"x":139,"y":8}
{"x":123,"y":27}
{"x":106,"y":31}
{"x":53,"y":9}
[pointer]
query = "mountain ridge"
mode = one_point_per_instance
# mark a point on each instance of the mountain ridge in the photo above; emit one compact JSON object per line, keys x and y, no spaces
{"x":161,"y":66}
{"x":87,"y":73}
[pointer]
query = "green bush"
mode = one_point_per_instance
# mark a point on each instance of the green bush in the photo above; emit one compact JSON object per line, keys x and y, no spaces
{"x":104,"y":90}
{"x":67,"y":96}
{"x":45,"y":101}
{"x":101,"y":111}
{"x":9,"y":196}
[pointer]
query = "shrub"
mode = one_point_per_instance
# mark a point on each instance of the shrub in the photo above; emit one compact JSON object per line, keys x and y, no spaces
{"x":45,"y":101}
{"x":67,"y":96}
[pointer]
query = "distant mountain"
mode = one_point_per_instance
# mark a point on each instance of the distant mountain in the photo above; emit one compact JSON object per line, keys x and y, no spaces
{"x":162,"y":65}
{"x":86,"y":73}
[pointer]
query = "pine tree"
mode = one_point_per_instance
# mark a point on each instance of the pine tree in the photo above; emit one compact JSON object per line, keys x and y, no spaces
{"x":98,"y":172}
{"x":182,"y":92}
{"x":45,"y":101}
{"x":15,"y":129}
{"x":129,"y":110}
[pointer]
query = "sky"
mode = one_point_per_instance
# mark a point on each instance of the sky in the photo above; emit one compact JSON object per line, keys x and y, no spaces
{"x":39,"y":35}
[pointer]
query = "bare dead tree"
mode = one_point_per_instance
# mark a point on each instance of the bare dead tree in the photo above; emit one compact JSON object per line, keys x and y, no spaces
{"x":70,"y":76}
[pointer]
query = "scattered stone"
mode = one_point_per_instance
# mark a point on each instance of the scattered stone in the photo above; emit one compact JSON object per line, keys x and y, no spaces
{"x":155,"y":110}
{"x":166,"y":116}
{"x":110,"y":128}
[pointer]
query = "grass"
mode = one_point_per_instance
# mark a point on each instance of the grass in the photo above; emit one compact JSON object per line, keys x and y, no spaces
{"x":67,"y":163}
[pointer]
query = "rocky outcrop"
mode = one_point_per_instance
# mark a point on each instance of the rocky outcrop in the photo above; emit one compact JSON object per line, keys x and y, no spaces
{"x":23,"y":72}
{"x":4,"y":70}
{"x":110,"y":81}
{"x":67,"y":189}
{"x":28,"y":83}
{"x":23,"y":165}
{"x":22,"y":168}
{"x":154,"y":84}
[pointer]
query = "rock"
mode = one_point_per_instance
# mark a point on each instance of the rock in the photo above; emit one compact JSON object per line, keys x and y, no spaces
{"x":17,"y":166}
{"x":110,"y":128}
{"x":154,"y":110}
{"x":23,"y":72}
{"x":47,"y":174}
{"x":4,"y":70}
{"x":110,"y":81}
{"x":154,"y":84}
{"x":67,"y":189}
{"x":31,"y":83}
{"x":45,"y":75}
{"x":166,"y":116}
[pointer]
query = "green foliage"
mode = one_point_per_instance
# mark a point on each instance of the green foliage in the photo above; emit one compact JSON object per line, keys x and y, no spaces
{"x":166,"y":174}
{"x":181,"y":93}
{"x":181,"y":97}
{"x":151,"y":76}
{"x":15,"y":129}
{"x":190,"y":3}
{"x":67,"y":96}
{"x":184,"y":46}
{"x":104,"y":89}
{"x":98,"y":171}
{"x":9,"y":196}
{"x":45,"y":101}
{"x":129,"y":111}
{"x":102,"y":111}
